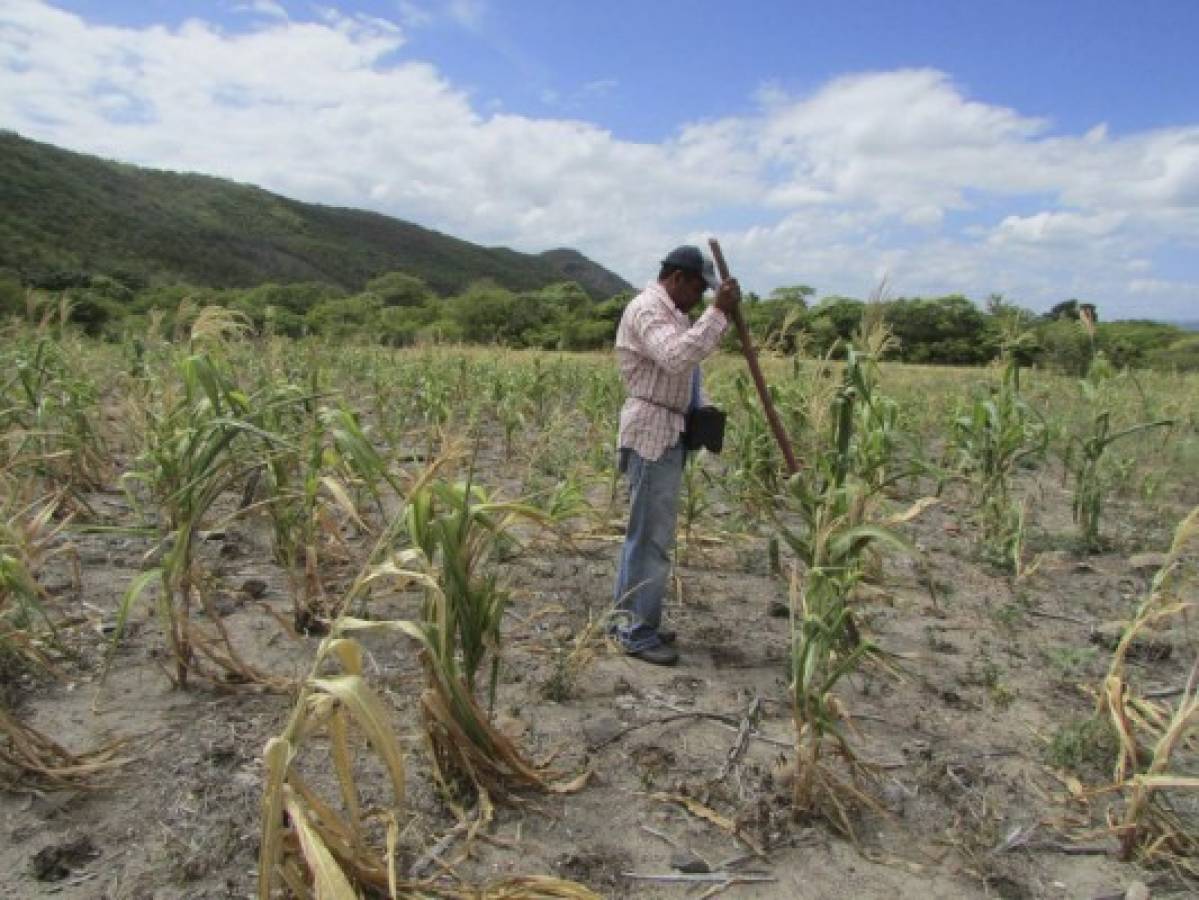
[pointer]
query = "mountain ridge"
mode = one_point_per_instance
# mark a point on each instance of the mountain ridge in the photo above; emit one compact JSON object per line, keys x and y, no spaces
{"x":72,"y":212}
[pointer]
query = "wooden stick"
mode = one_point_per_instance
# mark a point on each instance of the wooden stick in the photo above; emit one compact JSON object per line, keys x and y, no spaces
{"x":751,"y":358}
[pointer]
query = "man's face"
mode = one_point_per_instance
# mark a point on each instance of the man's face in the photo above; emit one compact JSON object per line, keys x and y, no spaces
{"x":691,"y":290}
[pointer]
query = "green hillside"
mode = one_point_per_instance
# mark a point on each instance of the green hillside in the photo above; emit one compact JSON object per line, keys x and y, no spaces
{"x":64,"y":212}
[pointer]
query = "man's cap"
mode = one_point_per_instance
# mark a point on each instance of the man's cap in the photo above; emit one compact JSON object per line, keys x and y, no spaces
{"x":691,"y":258}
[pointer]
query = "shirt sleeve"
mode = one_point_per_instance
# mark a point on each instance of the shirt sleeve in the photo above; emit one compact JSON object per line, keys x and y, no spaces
{"x":673,"y":347}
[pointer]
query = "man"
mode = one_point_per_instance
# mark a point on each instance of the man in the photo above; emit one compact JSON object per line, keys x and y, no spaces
{"x":659,"y":350}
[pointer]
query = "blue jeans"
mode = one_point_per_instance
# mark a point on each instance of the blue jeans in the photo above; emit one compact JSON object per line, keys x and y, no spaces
{"x":645,"y":558}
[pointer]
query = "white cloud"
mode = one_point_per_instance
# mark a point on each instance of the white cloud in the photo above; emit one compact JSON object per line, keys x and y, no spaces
{"x":1056,"y":227}
{"x":263,"y":8}
{"x":897,"y":171}
{"x":467,"y":13}
{"x":413,"y":15}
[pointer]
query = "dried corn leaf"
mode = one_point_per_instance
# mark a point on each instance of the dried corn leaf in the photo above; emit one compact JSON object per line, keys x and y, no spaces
{"x":342,"y":498}
{"x":339,"y":750}
{"x":1159,"y":782}
{"x":331,"y":882}
{"x":372,"y":718}
{"x":276,"y":759}
{"x":708,"y":814}
{"x":913,"y":511}
{"x":348,"y":653}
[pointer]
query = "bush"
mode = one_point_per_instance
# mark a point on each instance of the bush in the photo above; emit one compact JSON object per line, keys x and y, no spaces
{"x":1128,"y":343}
{"x":944,"y":330}
{"x":12,"y":297}
{"x":1065,"y":347}
{"x":399,"y":289}
{"x":1181,"y":356}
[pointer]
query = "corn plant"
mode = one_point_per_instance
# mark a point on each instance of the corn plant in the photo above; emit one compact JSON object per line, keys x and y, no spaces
{"x":1149,"y":828}
{"x":1085,"y":461}
{"x":47,"y":413}
{"x":27,"y":754}
{"x":315,"y":845}
{"x":190,"y":459}
{"x":564,"y":502}
{"x":755,"y":462}
{"x":29,"y":628}
{"x":434,"y":404}
{"x":696,"y":500}
{"x":458,"y":529}
{"x":511,"y":410}
{"x":988,"y":443}
{"x":339,"y":848}
{"x":833,"y":502}
{"x":309,"y":482}
{"x":27,"y":532}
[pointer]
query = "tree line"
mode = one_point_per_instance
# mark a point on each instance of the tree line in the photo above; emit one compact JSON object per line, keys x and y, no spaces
{"x":398,"y":309}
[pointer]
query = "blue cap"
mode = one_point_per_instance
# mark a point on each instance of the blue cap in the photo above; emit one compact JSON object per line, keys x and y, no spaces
{"x":691,"y":258}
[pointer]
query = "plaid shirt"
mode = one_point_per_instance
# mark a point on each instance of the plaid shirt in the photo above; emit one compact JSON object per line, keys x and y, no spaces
{"x":658,"y":350}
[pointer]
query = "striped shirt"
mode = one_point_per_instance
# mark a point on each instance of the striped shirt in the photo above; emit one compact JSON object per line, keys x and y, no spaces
{"x":658,"y":351}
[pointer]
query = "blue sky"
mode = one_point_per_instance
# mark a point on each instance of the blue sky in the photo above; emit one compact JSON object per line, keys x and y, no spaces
{"x":1041,"y":150}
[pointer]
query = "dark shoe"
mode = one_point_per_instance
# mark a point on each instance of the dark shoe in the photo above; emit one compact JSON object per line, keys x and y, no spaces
{"x":667,"y":635}
{"x":660,"y":655}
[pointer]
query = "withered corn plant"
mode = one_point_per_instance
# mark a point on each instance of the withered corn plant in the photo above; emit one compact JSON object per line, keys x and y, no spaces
{"x":193,"y":429}
{"x":30,"y":628}
{"x":313,"y":482}
{"x":28,"y":535}
{"x":342,"y":847}
{"x":1152,"y":733}
{"x":458,"y":531}
{"x":312,"y":844}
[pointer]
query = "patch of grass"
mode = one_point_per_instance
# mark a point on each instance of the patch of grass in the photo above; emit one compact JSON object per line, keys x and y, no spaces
{"x":1008,"y":616}
{"x":1070,"y":662}
{"x":1085,"y":747}
{"x":1001,"y":695}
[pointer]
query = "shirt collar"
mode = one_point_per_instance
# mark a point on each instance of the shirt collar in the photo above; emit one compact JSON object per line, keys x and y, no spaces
{"x":660,"y":294}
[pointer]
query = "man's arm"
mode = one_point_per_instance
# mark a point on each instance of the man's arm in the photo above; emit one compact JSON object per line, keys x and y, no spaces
{"x":674,"y":348}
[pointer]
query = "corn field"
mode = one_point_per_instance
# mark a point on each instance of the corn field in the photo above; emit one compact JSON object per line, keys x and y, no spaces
{"x":290,"y":618}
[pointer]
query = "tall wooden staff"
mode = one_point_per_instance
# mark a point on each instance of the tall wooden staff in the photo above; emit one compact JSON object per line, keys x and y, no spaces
{"x":751,"y":358}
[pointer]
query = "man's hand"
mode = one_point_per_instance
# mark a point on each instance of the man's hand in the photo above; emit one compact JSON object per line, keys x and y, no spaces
{"x":728,"y":296}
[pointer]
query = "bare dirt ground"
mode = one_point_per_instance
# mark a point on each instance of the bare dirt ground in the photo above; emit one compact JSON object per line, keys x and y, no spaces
{"x":988,"y":672}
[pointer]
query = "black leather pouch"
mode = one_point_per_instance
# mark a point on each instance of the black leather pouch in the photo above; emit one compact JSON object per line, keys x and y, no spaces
{"x":705,"y":428}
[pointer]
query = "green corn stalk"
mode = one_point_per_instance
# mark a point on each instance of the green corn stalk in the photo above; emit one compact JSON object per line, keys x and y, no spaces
{"x":988,"y":443}
{"x":755,"y":461}
{"x":833,"y":503}
{"x":47,"y":413}
{"x":511,"y":410}
{"x":459,"y":530}
{"x":1090,"y":483}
